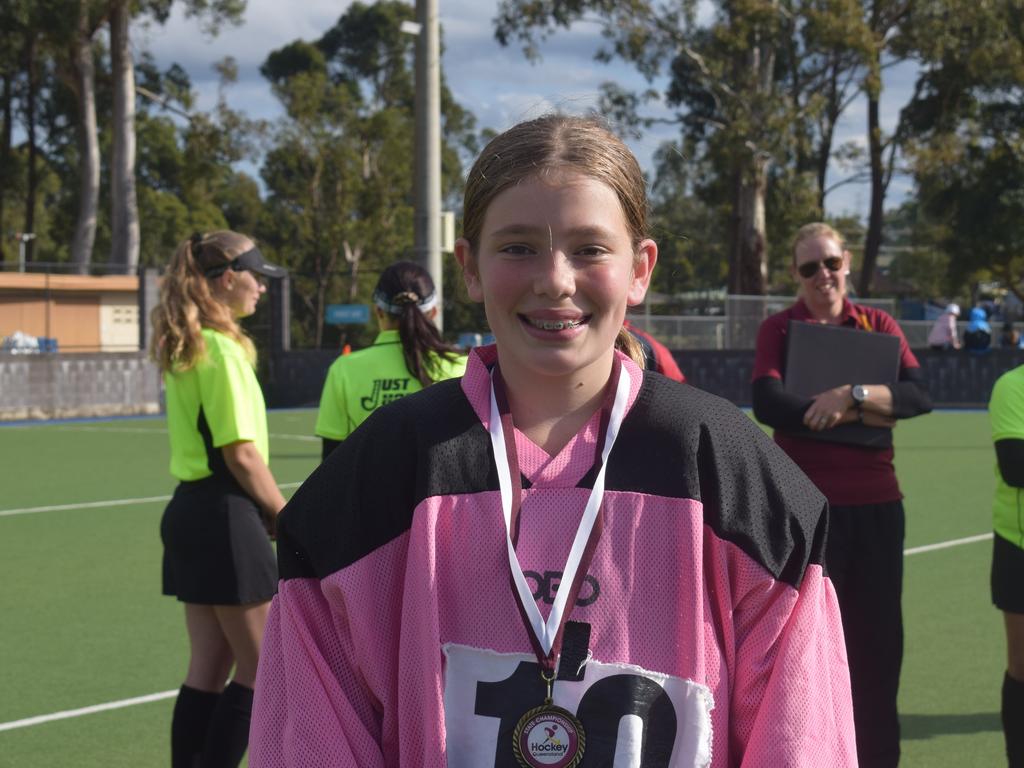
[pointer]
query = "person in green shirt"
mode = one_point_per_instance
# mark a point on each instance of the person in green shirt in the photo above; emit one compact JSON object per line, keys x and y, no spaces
{"x":1006,"y":412}
{"x":218,"y":559}
{"x":408,"y":355}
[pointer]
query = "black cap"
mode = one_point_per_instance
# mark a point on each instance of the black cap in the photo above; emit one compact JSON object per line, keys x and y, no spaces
{"x":251,"y":261}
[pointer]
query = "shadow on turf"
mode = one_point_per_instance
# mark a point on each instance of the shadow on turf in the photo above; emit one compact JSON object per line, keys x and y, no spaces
{"x":927,"y":726}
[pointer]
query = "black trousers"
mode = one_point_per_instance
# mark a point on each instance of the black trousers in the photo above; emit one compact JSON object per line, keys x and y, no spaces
{"x":864,"y":558}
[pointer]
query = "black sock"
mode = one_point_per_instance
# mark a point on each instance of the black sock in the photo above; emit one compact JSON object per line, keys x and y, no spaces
{"x":1013,"y":720}
{"x":228,"y":736}
{"x":192,"y":712}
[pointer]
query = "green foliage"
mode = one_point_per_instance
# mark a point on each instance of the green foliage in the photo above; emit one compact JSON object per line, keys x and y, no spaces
{"x":920,"y":260}
{"x":339,"y":169}
{"x":793,"y":202}
{"x":688,"y":231}
{"x":968,"y":137}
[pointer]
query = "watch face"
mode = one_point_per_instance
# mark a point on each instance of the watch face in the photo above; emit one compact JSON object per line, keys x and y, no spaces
{"x":859,"y":393}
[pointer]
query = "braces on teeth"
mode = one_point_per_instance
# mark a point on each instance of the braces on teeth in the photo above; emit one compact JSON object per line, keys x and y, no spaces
{"x":558,"y":325}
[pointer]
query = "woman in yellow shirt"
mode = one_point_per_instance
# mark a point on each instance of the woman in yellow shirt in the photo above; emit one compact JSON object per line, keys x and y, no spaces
{"x":218,"y":559}
{"x":407,"y":355}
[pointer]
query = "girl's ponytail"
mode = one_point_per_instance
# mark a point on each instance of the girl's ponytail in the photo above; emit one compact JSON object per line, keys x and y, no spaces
{"x":627,"y":344}
{"x":406,"y":292}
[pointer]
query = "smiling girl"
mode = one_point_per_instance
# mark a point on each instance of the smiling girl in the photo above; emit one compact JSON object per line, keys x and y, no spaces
{"x":576,"y":562}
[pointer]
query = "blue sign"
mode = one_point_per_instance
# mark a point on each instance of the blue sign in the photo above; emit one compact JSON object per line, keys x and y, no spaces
{"x":348,"y":314}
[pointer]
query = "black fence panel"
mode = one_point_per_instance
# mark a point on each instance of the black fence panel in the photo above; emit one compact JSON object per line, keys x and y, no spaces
{"x":294,"y":379}
{"x":955,"y":379}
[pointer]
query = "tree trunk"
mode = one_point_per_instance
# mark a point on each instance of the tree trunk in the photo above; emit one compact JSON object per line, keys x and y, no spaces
{"x":751,"y":230}
{"x":88,"y":145}
{"x":748,"y":264}
{"x":873,"y":238}
{"x":124,"y":205}
{"x":5,"y":155}
{"x":353,"y":271}
{"x":33,"y":151}
{"x":828,"y":125}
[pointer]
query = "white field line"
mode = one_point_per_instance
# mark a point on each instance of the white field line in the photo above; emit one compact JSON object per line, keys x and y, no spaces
{"x":39,"y":719}
{"x":303,"y":438}
{"x":163,"y":431}
{"x":168,"y":694}
{"x":101,"y":504}
{"x":123,"y":430}
{"x":948,"y":544}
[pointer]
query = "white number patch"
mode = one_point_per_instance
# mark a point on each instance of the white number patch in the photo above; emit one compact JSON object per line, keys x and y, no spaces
{"x":632,"y":718}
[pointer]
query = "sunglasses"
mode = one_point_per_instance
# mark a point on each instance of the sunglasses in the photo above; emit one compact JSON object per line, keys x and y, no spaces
{"x":810,"y":268}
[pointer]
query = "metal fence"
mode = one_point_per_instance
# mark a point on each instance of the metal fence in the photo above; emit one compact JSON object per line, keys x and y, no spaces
{"x":737,"y":326}
{"x":726,"y":323}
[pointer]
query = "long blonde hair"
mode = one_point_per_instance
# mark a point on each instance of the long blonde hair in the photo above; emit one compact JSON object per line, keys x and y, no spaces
{"x":549,"y":144}
{"x":187,"y":304}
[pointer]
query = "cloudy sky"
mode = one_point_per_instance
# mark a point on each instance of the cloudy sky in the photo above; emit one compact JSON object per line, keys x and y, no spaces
{"x":497,"y":84}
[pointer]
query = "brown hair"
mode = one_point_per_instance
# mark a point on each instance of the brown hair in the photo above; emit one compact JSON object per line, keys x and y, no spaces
{"x":549,"y":144}
{"x":816,"y":229}
{"x":187,"y":304}
{"x":403,"y":286}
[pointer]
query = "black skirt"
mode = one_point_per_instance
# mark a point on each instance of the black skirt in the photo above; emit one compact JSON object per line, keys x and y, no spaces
{"x":216,"y":550}
{"x":1007,"y":575}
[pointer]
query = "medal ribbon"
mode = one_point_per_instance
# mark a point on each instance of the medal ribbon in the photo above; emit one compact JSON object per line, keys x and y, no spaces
{"x":546,"y":637}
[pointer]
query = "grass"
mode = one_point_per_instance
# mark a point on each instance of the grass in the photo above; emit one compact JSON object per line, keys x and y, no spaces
{"x":84,"y":622}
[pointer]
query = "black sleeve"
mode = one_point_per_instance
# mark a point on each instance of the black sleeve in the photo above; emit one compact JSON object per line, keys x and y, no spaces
{"x":328,"y":446}
{"x":1010,"y":457}
{"x":910,"y":394}
{"x":776,"y":407}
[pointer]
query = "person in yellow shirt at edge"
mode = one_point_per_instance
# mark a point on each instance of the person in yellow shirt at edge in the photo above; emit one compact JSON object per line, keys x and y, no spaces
{"x":407,"y":355}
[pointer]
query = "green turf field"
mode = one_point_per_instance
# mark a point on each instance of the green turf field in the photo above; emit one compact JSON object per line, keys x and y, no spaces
{"x":83,"y":622}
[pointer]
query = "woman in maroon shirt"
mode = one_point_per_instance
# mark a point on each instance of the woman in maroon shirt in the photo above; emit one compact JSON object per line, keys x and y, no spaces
{"x":864,"y":554}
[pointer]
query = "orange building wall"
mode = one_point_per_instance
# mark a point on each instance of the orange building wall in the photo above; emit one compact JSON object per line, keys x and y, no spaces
{"x":64,"y":307}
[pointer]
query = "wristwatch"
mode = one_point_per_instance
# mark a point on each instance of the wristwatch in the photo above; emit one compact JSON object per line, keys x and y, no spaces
{"x":859,"y":393}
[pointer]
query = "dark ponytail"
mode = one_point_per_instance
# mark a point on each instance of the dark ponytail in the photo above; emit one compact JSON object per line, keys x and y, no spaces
{"x":405,"y":292}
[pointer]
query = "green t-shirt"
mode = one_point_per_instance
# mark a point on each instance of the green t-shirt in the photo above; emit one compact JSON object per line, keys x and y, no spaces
{"x":1006,"y":412}
{"x":357,"y":384}
{"x":216,"y":402}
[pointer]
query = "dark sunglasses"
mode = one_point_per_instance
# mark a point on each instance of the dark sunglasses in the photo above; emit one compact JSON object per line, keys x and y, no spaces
{"x":810,"y":268}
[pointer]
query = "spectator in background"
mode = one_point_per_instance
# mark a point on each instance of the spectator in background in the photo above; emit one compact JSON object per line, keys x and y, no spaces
{"x":1009,"y":338}
{"x":657,"y":356}
{"x":864,"y":553}
{"x":943,"y":334}
{"x":407,"y":355}
{"x":978,"y":336}
{"x":1006,"y":412}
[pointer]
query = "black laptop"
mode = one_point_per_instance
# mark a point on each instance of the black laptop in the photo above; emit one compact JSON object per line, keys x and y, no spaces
{"x":820,"y":357}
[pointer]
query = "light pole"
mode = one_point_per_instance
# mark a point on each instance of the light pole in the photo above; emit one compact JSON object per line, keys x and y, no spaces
{"x":427,"y":214}
{"x":22,"y":238}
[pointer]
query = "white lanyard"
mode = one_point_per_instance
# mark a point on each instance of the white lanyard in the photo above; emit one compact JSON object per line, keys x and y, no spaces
{"x":546,"y":632}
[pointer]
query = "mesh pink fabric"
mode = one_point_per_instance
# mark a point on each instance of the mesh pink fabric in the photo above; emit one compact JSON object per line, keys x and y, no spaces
{"x":573,"y":461}
{"x":352,"y":672}
{"x":358,"y":663}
